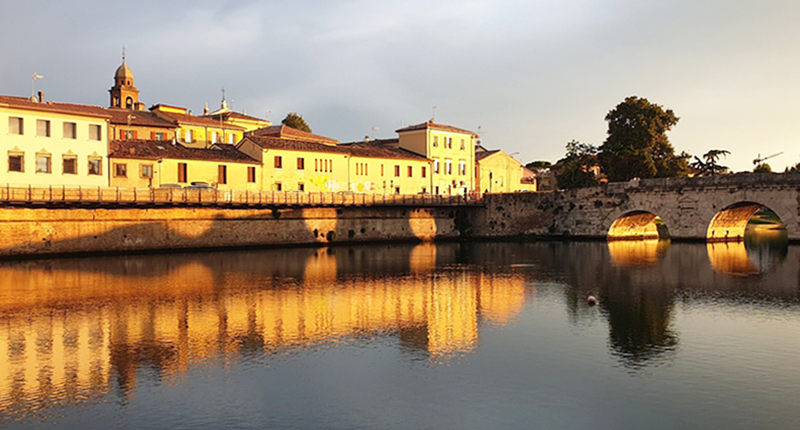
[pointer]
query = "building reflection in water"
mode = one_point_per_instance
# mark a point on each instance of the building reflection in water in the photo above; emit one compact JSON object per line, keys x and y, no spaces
{"x":645,"y":252}
{"x":74,"y":329}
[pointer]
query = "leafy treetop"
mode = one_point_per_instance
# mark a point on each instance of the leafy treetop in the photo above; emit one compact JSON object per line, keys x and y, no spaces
{"x":296,"y":121}
{"x":637,"y":144}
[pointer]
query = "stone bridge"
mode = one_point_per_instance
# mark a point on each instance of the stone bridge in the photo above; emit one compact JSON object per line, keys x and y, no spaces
{"x":710,"y":208}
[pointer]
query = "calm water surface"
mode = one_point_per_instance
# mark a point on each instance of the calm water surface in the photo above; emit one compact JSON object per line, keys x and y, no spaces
{"x":468,"y":336}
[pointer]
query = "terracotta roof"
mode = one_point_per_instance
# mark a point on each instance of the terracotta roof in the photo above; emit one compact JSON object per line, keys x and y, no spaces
{"x":381,"y":148}
{"x":286,"y":132}
{"x":432,"y":125}
{"x":138,"y":117}
{"x":269,"y":142}
{"x":24,"y":103}
{"x":354,"y":149}
{"x":159,"y":149}
{"x":231,"y":114}
{"x":483,"y":154}
{"x":185,"y":118}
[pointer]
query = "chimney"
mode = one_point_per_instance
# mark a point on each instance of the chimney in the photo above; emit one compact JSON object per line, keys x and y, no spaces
{"x":190,"y":111}
{"x":205,"y":109}
{"x":366,"y":138}
{"x":41,"y":96}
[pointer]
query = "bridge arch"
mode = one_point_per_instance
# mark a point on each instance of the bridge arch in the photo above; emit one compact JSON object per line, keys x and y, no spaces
{"x":638,"y":225}
{"x":731,"y":223}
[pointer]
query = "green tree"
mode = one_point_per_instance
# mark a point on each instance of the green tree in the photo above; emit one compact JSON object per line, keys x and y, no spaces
{"x":575,"y":170}
{"x":793,"y":169}
{"x":540,"y":164}
{"x":709,"y":164}
{"x":762,"y":168}
{"x":296,"y":121}
{"x":637,"y":144}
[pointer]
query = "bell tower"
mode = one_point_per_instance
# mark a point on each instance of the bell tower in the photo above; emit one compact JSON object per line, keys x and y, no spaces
{"x":123,"y":93}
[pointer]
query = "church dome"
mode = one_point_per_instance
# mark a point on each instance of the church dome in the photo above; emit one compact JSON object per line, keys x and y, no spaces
{"x":124,"y":73}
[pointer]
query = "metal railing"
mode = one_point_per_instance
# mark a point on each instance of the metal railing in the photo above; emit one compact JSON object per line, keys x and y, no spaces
{"x":116,"y":196}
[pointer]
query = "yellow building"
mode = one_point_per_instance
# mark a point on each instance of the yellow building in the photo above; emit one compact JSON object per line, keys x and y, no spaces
{"x":498,"y":172}
{"x":49,"y":143}
{"x":451,"y":151}
{"x":197,"y":131}
{"x":228,"y":116}
{"x":156,"y":163}
{"x":294,"y":160}
{"x":380,"y":167}
{"x":291,"y":164}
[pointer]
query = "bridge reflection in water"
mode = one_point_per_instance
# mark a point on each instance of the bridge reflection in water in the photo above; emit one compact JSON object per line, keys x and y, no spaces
{"x":74,"y":329}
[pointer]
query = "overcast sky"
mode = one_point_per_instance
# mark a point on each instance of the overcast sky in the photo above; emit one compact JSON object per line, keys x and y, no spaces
{"x":529,"y":75}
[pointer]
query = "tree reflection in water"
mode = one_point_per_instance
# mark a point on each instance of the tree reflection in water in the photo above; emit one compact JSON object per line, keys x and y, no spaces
{"x":639,"y":321}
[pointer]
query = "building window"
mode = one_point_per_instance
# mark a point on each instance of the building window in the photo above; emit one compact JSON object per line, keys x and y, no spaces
{"x":424,"y":190}
{"x":70,"y":165}
{"x":16,"y":162}
{"x":448,"y":167}
{"x":43,"y":127}
{"x":301,"y":186}
{"x":397,"y":171}
{"x":424,"y":172}
{"x":462,"y":168}
{"x":278,"y":186}
{"x":182,"y":172}
{"x":381,"y":169}
{"x":278,"y":162}
{"x":95,"y":132}
{"x":222,"y":174}
{"x":15,"y":125}
{"x":410,"y":171}
{"x":120,"y":170}
{"x":435,"y":141}
{"x":301,"y":164}
{"x":436,"y":166}
{"x":188,"y":136}
{"x":397,"y":190}
{"x":146,"y":171}
{"x":231,"y":137}
{"x":448,"y":142}
{"x":251,"y":174}
{"x":129,"y":135}
{"x":95,"y":165}
{"x":70,"y":130}
{"x":43,"y":163}
{"x":463,"y":144}
{"x":214,"y":136}
{"x":158,"y":136}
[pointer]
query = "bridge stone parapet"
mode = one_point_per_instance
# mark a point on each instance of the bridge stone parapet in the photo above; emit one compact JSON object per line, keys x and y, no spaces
{"x":689,"y":207}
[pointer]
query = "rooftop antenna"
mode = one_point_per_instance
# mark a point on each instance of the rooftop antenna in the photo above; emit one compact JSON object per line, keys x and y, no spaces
{"x":374,"y":129}
{"x":123,"y":53}
{"x":433,"y":114}
{"x":34,"y":77}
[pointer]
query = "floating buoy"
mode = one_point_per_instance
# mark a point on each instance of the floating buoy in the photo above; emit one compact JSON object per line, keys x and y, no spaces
{"x":591,"y":300}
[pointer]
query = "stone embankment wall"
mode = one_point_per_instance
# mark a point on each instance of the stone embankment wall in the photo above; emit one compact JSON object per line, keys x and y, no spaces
{"x":31,"y":232}
{"x":691,"y":209}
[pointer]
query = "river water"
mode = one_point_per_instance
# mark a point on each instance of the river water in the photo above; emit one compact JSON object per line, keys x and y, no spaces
{"x":467,"y":336}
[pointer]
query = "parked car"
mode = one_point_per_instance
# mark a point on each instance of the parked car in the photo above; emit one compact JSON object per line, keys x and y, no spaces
{"x":200,"y":186}
{"x":170,"y":186}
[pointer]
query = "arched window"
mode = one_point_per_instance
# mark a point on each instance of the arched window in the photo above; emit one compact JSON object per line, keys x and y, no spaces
{"x":129,"y":102}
